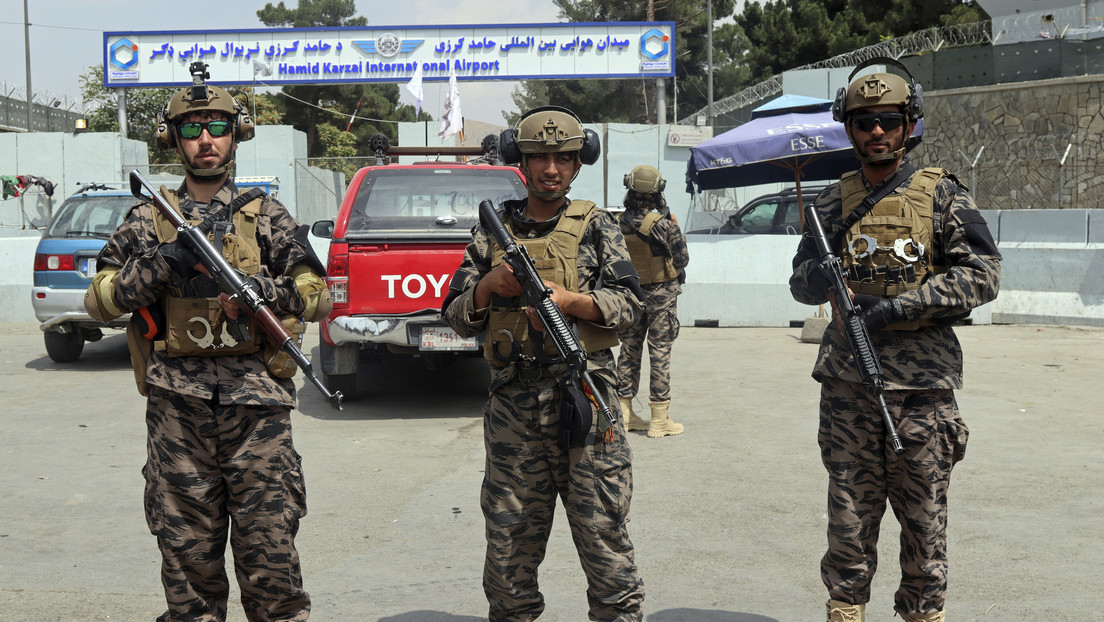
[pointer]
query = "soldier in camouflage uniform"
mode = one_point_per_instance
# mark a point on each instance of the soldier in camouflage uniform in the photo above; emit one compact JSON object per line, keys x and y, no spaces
{"x":658,"y":250}
{"x":921,"y":258}
{"x":580,"y":253}
{"x":220,"y":456}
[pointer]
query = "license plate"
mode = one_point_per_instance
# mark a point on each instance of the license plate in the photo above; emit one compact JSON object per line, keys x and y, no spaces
{"x":88,"y":267}
{"x":441,"y":338}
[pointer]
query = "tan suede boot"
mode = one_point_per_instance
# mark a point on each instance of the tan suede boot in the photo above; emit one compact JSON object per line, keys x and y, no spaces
{"x":931,"y":617}
{"x":839,"y":611}
{"x":632,"y":421}
{"x":661,"y":423}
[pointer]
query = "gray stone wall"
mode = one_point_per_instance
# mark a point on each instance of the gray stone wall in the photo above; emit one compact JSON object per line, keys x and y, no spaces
{"x":1026,"y":129}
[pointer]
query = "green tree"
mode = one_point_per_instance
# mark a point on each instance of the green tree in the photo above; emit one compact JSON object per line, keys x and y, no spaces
{"x":636,"y":97}
{"x":143,"y":105}
{"x":362,"y":109}
{"x":783,"y":34}
{"x":767,"y":38}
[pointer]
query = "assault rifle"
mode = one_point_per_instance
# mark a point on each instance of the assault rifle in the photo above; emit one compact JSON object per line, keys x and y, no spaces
{"x":231,"y":282}
{"x":854,"y":328}
{"x":539,"y":296}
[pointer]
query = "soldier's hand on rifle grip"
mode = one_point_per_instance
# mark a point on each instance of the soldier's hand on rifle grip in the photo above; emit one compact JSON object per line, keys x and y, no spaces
{"x":180,"y":259}
{"x":877,"y":313}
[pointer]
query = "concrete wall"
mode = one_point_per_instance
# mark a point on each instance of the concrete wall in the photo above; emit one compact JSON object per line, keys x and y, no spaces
{"x":65,"y":159}
{"x":1053,"y":258}
{"x":1051,"y":274}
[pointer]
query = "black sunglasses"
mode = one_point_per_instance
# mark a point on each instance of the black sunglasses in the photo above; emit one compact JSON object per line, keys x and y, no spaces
{"x":214,"y":128}
{"x":888,"y":120}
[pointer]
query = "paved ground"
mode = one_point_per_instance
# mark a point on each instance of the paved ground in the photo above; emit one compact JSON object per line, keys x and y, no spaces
{"x":728,"y":518}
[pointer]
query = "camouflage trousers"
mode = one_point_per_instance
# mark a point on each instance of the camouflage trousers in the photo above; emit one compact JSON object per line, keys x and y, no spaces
{"x":525,"y":472}
{"x":213,"y":471}
{"x":661,"y":326}
{"x":864,"y":472}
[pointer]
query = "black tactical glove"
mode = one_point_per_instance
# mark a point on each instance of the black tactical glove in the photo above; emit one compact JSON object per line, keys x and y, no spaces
{"x":819,"y":284}
{"x":877,"y":313}
{"x":180,"y":258}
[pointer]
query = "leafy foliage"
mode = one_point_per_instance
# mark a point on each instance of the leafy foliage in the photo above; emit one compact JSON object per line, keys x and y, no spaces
{"x":142,"y":106}
{"x":360,"y":110}
{"x":767,"y":38}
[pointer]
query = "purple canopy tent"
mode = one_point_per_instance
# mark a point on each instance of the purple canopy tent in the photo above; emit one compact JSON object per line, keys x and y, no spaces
{"x":789,"y":138}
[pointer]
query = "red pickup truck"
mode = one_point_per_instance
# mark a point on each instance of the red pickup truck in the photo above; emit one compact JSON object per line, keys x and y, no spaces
{"x":398,"y":238}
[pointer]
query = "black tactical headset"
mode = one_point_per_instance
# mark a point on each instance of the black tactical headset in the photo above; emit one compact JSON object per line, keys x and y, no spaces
{"x":511,"y":153}
{"x":914,"y":106}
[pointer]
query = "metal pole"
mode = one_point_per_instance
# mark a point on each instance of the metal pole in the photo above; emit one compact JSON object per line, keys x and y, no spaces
{"x":661,"y":101}
{"x":122,"y":112}
{"x":27,"y":53}
{"x":709,"y":64}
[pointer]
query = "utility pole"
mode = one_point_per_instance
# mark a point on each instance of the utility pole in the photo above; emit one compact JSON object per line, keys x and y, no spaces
{"x":27,"y":53}
{"x":709,"y":64}
{"x":661,"y":83}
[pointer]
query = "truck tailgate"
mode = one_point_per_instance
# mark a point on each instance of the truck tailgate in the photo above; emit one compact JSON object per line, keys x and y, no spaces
{"x":399,"y":278}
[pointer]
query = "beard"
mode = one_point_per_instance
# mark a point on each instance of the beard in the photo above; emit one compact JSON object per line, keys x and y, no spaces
{"x":887,"y":158}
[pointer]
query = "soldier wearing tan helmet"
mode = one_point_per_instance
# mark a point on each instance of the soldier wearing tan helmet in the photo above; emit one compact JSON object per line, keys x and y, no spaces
{"x":580,"y":253}
{"x":658,"y":250}
{"x":917,"y":257}
{"x":221,"y":463}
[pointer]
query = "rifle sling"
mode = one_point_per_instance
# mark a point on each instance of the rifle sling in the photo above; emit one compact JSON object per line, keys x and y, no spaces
{"x":903,"y":173}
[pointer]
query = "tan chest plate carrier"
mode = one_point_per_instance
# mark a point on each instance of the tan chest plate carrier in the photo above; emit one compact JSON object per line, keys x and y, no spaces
{"x":650,"y":267}
{"x":889,"y":250}
{"x":554,"y":256}
{"x":197,"y":326}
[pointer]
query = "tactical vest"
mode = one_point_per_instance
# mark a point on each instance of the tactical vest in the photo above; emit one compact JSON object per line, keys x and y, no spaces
{"x":650,"y":267}
{"x":889,"y":250}
{"x":555,"y":258}
{"x":198,"y":326}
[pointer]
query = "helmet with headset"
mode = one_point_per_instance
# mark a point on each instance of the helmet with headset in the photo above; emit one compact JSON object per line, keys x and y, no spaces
{"x":880,"y":88}
{"x":548,"y":129}
{"x":645,"y":179}
{"x":198,"y":98}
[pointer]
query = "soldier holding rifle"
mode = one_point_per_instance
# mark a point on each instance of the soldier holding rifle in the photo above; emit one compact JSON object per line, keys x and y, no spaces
{"x":917,"y":257}
{"x":221,"y":462}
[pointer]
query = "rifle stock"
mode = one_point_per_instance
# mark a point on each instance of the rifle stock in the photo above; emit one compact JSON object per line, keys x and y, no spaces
{"x":858,"y":337}
{"x":539,"y":296}
{"x":231,"y":282}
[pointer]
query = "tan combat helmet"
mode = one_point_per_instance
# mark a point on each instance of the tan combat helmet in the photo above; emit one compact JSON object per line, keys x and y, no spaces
{"x":645,"y":180}
{"x":549,"y":129}
{"x":877,"y":89}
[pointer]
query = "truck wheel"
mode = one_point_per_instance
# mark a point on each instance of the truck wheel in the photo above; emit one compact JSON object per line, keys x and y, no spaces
{"x":64,"y":347}
{"x":346,"y":383}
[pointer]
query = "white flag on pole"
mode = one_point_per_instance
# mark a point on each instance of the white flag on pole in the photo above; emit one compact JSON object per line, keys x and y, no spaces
{"x":452,"y":121}
{"x":415,"y":88}
{"x":261,"y":68}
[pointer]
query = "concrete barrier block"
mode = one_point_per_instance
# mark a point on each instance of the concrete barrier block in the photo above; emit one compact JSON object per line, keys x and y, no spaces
{"x":813,"y":329}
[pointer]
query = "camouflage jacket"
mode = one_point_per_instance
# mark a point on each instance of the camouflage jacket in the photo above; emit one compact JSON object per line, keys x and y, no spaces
{"x":931,"y":356}
{"x":143,"y":277}
{"x":666,"y":239}
{"x":605,"y":273}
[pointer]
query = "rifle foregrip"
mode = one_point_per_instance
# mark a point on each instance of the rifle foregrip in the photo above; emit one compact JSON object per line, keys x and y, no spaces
{"x":862,"y":348}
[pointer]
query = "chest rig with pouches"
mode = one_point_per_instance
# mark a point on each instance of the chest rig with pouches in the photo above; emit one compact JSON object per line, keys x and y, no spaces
{"x":509,"y":336}
{"x":889,"y":250}
{"x":651,"y":268}
{"x":197,"y":325}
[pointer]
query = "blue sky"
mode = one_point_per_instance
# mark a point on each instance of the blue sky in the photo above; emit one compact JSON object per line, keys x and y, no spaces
{"x":66,"y":37}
